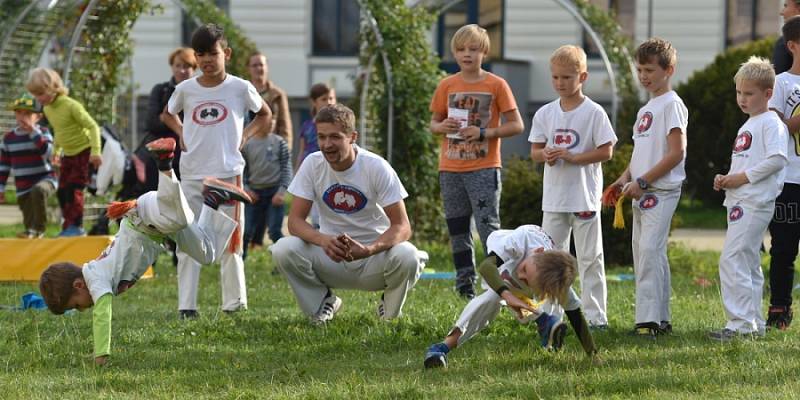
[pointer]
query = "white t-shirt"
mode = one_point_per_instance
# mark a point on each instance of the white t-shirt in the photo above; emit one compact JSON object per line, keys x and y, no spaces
{"x":653,"y":124}
{"x":350,"y":201}
{"x":571,"y":187}
{"x":213,"y":124}
{"x":786,"y":100}
{"x":759,"y":138}
{"x":513,"y":245}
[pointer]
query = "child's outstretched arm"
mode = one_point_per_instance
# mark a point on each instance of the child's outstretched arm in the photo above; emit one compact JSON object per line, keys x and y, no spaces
{"x":101,"y":328}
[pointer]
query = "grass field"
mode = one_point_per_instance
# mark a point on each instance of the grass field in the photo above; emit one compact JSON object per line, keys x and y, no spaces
{"x":271,"y":351}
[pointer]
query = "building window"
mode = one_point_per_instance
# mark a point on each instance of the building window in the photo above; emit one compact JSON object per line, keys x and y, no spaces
{"x":625,"y":13}
{"x":486,"y":13}
{"x":335,"y":27}
{"x":748,"y":20}
{"x":188,"y":24}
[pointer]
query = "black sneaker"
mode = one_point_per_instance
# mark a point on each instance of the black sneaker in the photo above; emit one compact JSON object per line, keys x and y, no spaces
{"x":226,"y":191}
{"x":467,"y":291}
{"x":647,"y":330}
{"x":665,"y":328}
{"x":779,"y":317}
{"x":188,"y":314}
{"x":436,"y":356}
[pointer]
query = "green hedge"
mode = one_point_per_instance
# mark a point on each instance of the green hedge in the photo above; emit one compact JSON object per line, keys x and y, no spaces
{"x":714,"y":118}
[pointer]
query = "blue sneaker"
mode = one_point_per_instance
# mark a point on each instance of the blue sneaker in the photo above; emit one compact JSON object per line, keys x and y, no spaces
{"x":71,"y":231}
{"x":551,"y":332}
{"x":436,"y":356}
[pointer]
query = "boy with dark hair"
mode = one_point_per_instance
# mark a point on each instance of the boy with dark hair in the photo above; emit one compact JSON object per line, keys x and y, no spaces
{"x":523,"y":264}
{"x":653,"y":180}
{"x":214,"y":105}
{"x":147,"y":222}
{"x":25,"y":153}
{"x":785,"y":225}
{"x":781,"y":57}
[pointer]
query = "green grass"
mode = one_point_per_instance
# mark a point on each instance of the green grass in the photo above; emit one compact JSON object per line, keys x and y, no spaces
{"x":700,"y":216}
{"x":271,"y":351}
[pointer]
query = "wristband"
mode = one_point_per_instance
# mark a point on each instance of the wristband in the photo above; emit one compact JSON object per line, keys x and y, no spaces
{"x":501,"y":289}
{"x":482,"y":134}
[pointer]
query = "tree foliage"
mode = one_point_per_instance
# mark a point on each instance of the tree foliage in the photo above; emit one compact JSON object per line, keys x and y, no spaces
{"x":714,"y":118}
{"x":415,"y":74}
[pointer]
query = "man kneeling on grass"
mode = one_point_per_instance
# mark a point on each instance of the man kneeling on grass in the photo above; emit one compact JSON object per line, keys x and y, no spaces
{"x":148,"y":221}
{"x":522,"y":264}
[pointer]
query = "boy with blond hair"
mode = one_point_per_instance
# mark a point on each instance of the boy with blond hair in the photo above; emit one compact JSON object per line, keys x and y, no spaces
{"x":751,"y":186}
{"x":147,"y":222}
{"x":466,"y":109}
{"x":572,"y":135}
{"x":76,"y":135}
{"x":523,"y":264}
{"x":785,"y":226}
{"x":653,"y":180}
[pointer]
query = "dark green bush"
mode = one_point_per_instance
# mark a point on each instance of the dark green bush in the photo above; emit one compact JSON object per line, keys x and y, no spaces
{"x":714,"y":118}
{"x":521,"y":202}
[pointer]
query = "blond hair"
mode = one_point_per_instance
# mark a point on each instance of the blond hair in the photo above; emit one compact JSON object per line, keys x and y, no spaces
{"x":45,"y":81}
{"x":570,"y":56}
{"x":556,"y":271}
{"x":184,"y":54}
{"x":757,"y":70}
{"x":339,"y":115}
{"x":471,"y":33}
{"x":659,"y":49}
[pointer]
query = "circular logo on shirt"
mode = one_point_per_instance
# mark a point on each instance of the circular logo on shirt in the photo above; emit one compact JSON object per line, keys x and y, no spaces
{"x":736,"y":214}
{"x":645,"y":122}
{"x":585,"y":215}
{"x":648,"y":201}
{"x":742,"y":142}
{"x":209,"y":113}
{"x":566,"y":138}
{"x":344,"y":199}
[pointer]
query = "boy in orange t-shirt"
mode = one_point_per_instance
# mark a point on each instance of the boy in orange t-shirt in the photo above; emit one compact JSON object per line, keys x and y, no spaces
{"x":466,"y":109}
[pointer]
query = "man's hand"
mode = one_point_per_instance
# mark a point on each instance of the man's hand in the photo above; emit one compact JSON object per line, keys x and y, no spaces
{"x":515,"y":304}
{"x":357,"y":250}
{"x":277,"y":199}
{"x":553,"y":154}
{"x":95,"y":161}
{"x":632,"y":190}
{"x":471,"y":133}
{"x":447,"y":125}
{"x":337,"y":249}
{"x":101,"y":360}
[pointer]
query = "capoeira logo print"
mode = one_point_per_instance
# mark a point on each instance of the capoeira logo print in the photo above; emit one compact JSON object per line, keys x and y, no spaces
{"x":585,"y":215}
{"x":743,"y":142}
{"x":644,"y":123}
{"x":344,"y":199}
{"x":566,"y":138}
{"x":209,"y":113}
{"x":736,"y":214}
{"x":648,"y":201}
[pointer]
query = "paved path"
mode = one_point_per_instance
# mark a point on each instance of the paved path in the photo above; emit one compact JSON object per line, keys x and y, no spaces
{"x":10,"y":214}
{"x":705,"y":239}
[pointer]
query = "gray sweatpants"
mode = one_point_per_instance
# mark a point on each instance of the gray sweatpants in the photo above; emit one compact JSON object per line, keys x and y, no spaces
{"x":468,"y":195}
{"x":311,"y":273}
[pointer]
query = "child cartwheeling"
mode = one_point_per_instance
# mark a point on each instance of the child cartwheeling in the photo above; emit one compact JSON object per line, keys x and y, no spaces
{"x":522,"y":265}
{"x":148,"y":221}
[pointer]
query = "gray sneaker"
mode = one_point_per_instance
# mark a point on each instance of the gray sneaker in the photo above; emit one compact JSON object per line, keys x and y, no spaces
{"x":330,"y":306}
{"x":726,"y":335}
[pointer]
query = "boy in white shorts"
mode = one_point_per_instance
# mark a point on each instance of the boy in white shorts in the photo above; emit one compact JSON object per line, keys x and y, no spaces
{"x":573,"y":135}
{"x":751,"y":186}
{"x":148,"y":221}
{"x":653,"y":180}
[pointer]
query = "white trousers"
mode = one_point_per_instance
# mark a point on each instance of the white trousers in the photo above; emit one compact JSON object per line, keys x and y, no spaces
{"x":232,"y":279}
{"x":652,"y":216}
{"x":740,"y":275}
{"x":483,"y":309}
{"x":589,"y":248}
{"x":311,"y":273}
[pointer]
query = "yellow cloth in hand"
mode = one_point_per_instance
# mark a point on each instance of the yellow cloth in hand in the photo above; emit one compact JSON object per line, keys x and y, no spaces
{"x":619,"y":215}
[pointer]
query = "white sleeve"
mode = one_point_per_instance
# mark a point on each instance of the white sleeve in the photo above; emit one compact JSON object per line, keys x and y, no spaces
{"x":675,"y":116}
{"x":765,"y":168}
{"x":387,"y":185}
{"x":777,"y":99}
{"x":253,"y":99}
{"x":302,"y":184}
{"x":175,"y":103}
{"x":538,"y":129}
{"x":603,"y":131}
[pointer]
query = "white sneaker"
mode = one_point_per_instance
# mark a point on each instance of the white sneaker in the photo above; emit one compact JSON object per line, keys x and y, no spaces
{"x":329,"y":307}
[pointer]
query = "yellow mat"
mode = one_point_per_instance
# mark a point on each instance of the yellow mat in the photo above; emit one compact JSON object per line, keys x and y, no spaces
{"x":25,"y":259}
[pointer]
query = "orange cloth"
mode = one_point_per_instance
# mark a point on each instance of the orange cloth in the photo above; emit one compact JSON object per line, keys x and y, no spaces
{"x":486,"y":101}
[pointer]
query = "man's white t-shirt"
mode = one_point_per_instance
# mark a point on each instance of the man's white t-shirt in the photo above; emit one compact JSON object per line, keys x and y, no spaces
{"x":350,"y":201}
{"x":786,"y":100}
{"x":213,"y":123}
{"x":653,"y":123}
{"x":571,"y":187}
{"x":759,"y":138}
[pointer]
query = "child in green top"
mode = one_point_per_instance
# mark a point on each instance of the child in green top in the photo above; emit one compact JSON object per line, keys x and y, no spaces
{"x":77,"y":135}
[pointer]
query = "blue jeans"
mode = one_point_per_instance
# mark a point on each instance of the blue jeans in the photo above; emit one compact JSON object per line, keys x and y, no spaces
{"x":262,"y":215}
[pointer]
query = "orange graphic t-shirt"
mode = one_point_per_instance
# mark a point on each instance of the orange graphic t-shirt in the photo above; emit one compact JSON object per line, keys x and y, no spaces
{"x":484,"y":101}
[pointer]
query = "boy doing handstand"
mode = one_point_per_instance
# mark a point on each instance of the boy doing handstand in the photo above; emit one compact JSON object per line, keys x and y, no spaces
{"x":148,"y":221}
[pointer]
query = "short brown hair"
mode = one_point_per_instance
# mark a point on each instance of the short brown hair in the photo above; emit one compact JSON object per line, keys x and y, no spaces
{"x":659,"y":49}
{"x":184,"y":54}
{"x":556,"y":271}
{"x":471,"y":33}
{"x":45,"y":81}
{"x":791,"y":29}
{"x":56,"y":285}
{"x":337,"y":114}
